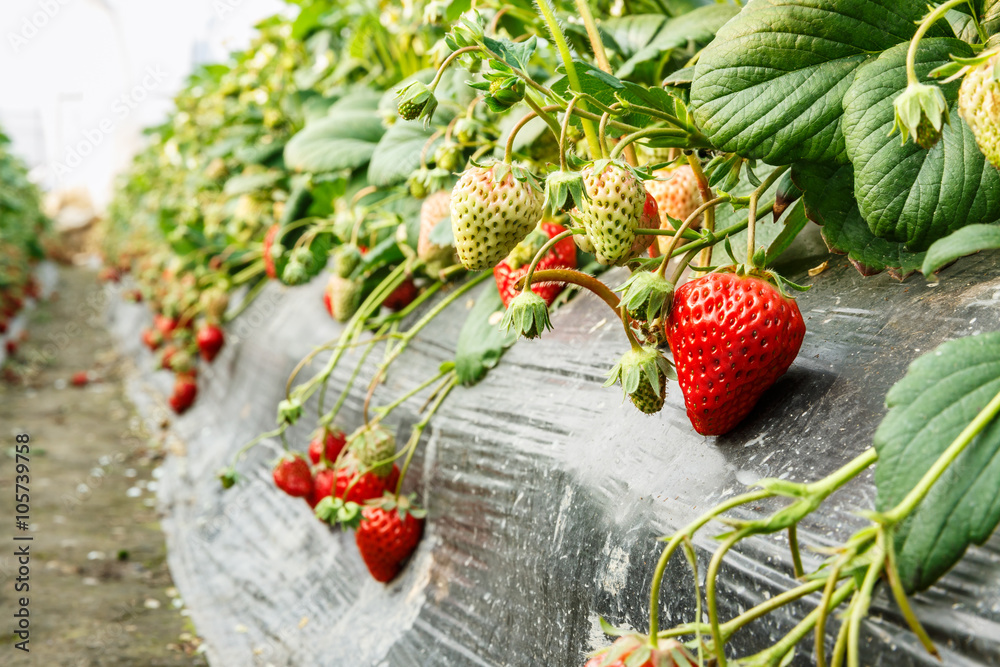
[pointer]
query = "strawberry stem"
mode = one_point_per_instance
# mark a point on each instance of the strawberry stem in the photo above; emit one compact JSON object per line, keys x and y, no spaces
{"x":580,"y":280}
{"x":925,"y":25}
{"x":752,"y":216}
{"x":672,"y":247}
{"x":544,"y":251}
{"x":708,"y":224}
{"x":418,"y":430}
{"x":508,"y":152}
{"x":447,"y":61}
{"x":548,"y":14}
{"x":596,"y":44}
{"x":564,"y":133}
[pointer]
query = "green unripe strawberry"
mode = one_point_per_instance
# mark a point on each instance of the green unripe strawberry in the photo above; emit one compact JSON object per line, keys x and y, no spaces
{"x":979,"y":106}
{"x":492,"y":210}
{"x":344,"y":297}
{"x":374,"y":445}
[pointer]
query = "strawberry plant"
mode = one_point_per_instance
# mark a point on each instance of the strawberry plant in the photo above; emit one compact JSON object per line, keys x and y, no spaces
{"x":412,"y":155}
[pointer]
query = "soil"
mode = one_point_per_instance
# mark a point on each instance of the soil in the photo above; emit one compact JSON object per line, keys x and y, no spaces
{"x":99,"y":590}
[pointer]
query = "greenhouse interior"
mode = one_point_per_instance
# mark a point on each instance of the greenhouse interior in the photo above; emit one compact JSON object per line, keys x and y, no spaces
{"x":447,"y":333}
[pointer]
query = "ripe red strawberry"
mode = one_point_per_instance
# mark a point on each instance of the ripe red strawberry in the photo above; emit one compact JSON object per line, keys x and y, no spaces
{"x":366,"y":486}
{"x":269,"y":266}
{"x":732,"y":337}
{"x":327,"y":303}
{"x":164,"y":324}
{"x":11,"y":347}
{"x":323,"y":485}
{"x":402,"y":296}
{"x":292,"y":475}
{"x":561,"y":256}
{"x":109,"y":274}
{"x":80,"y":379}
{"x":334,"y":439}
{"x":616,"y":205}
{"x":677,"y":196}
{"x":152,"y":338}
{"x":387,"y":535}
{"x":185,"y":391}
{"x":3,"y":325}
{"x":489,"y":218}
{"x":210,"y":339}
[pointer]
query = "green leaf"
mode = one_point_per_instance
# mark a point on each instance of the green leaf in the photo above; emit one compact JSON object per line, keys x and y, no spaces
{"x":794,"y":221}
{"x":244,"y":184}
{"x":904,"y":192}
{"x":771,"y":85}
{"x":991,"y":18}
{"x":633,"y":32}
{"x":343,"y":140}
{"x":514,"y":54}
{"x":398,"y":153}
{"x":697,"y":26}
{"x":941,"y":393}
{"x":829,"y":201}
{"x":966,"y":241}
{"x":443,"y":234}
{"x":481,"y":343}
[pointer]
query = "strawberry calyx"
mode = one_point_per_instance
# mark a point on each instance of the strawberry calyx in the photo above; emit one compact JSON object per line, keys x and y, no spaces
{"x":643,"y":372}
{"x":646,"y":295}
{"x":756,"y":270}
{"x":527,"y":314}
{"x":632,"y":649}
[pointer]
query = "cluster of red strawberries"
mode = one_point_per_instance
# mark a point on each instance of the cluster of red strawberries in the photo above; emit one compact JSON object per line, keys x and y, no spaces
{"x":355,"y":485}
{"x":187,"y":324}
{"x":12,"y":300}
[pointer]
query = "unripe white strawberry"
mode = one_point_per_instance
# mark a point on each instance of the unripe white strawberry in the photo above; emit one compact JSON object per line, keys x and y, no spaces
{"x":433,"y":211}
{"x":979,"y":106}
{"x":343,"y":296}
{"x":490,"y":215}
{"x":615,"y":206}
{"x":676,"y":196}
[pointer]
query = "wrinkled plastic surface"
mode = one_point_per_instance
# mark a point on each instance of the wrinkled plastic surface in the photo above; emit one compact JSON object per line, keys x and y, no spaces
{"x":546,"y":492}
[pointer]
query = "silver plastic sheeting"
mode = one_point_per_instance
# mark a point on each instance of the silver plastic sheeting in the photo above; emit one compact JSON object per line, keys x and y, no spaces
{"x":546,"y":493}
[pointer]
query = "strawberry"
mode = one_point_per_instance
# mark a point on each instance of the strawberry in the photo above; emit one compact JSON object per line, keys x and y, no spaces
{"x":109,"y":274}
{"x":435,"y":209}
{"x":164,"y":324}
{"x":979,"y":106}
{"x":402,"y":296}
{"x":615,"y":206}
{"x":210,"y":339}
{"x":185,"y":391}
{"x":323,"y":485}
{"x":269,"y":266}
{"x":327,"y":303}
{"x":352,"y":487}
{"x":11,"y":347}
{"x":561,"y":256}
{"x":634,"y":650}
{"x":292,"y":476}
{"x":492,"y":210}
{"x":152,"y":338}
{"x":677,"y":196}
{"x":732,"y":337}
{"x":80,"y":379}
{"x":334,"y":439}
{"x":343,"y":296}
{"x":387,"y":535}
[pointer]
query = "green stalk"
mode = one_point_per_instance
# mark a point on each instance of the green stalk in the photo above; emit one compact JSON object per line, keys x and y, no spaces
{"x":925,"y":25}
{"x":580,"y":280}
{"x":752,"y":216}
{"x":920,"y":491}
{"x":548,"y":14}
{"x":789,"y":641}
{"x":653,"y":132}
{"x":718,"y":642}
{"x":418,"y":431}
{"x":385,"y":410}
{"x":596,"y":44}
{"x":861,"y":604}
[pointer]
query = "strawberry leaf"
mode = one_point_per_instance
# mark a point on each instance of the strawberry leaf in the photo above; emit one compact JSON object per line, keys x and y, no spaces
{"x":342,"y":140}
{"x":481,"y":343}
{"x":965,"y":241}
{"x":771,"y":85}
{"x":940,"y":394}
{"x":906,"y":193}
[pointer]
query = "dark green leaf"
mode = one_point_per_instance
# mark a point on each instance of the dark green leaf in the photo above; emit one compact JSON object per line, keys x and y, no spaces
{"x":829,"y":201}
{"x":941,"y":393}
{"x":697,"y":26}
{"x":481,"y":343}
{"x":514,"y":54}
{"x":342,"y":140}
{"x":398,"y":153}
{"x":771,"y":85}
{"x":238,"y":185}
{"x":965,"y":241}
{"x":904,"y":192}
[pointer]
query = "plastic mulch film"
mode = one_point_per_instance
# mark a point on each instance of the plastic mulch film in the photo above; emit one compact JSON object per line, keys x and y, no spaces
{"x":546,"y":493}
